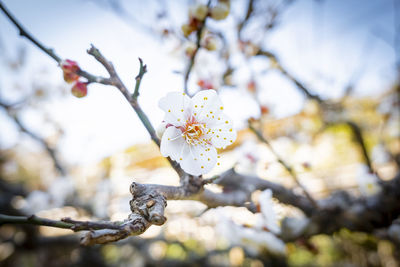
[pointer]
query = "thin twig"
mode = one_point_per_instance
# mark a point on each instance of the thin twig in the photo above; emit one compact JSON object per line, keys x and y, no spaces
{"x":287,"y":74}
{"x":357,"y":133}
{"x":24,"y":33}
{"x":117,"y":82}
{"x":283,"y":163}
{"x":193,"y":56}
{"x":139,"y":77}
{"x":65,"y":223}
{"x":113,"y":80}
{"x":250,"y":9}
{"x":356,"y":129}
{"x":51,"y":151}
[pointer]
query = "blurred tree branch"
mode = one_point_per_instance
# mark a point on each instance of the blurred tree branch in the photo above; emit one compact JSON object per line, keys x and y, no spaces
{"x":50,"y":151}
{"x":199,"y":33}
{"x":149,"y":201}
{"x":283,"y":163}
{"x":355,"y":128}
{"x":113,"y":80}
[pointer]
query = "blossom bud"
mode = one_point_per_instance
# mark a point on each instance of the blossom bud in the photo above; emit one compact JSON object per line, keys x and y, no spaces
{"x":161,"y":129}
{"x":190,"y":49}
{"x":251,"y":86}
{"x":264,"y":110}
{"x":70,"y":69}
{"x":199,"y":12}
{"x":220,"y":11}
{"x":210,"y":43}
{"x":187,"y":29}
{"x":306,"y":165}
{"x":79,"y":89}
{"x":205,"y":84}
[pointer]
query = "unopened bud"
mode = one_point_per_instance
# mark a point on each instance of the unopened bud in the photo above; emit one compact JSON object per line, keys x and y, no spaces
{"x":190,"y":49}
{"x":161,"y":129}
{"x":210,"y":43}
{"x":199,"y":12}
{"x":205,"y":84}
{"x":187,"y":29}
{"x":251,"y":86}
{"x":79,"y":89}
{"x":70,"y":69}
{"x":264,"y":110}
{"x":220,"y":11}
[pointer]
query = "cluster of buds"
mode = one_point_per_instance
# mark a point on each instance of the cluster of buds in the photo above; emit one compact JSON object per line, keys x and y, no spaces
{"x":70,"y":71}
{"x":198,"y":13}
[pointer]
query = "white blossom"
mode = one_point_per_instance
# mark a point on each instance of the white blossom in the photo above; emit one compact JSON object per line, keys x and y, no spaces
{"x":248,"y":157}
{"x":196,"y":127}
{"x":36,"y":201}
{"x":379,"y":154}
{"x":262,"y":239}
{"x":253,"y":240}
{"x":294,"y":226}
{"x":60,"y":190}
{"x":367,"y":182}
{"x":268,"y":217}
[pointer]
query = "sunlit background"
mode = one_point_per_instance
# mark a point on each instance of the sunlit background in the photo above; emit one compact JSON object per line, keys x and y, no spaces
{"x":327,"y":43}
{"x":332,"y":46}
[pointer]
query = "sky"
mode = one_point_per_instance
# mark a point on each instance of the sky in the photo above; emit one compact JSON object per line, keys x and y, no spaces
{"x":325,"y":43}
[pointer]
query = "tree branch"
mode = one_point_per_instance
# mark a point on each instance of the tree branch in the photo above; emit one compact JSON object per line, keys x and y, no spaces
{"x":24,"y":33}
{"x":283,"y":163}
{"x":357,"y":133}
{"x":233,"y":181}
{"x":139,"y":77}
{"x":356,"y":214}
{"x":117,"y":82}
{"x":113,"y":80}
{"x":50,"y":151}
{"x":299,"y":84}
{"x":250,"y":9}
{"x":193,"y":56}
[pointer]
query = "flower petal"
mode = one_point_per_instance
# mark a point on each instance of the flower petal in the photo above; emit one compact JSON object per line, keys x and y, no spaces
{"x":206,"y":105}
{"x":221,"y":132}
{"x":197,"y":160}
{"x":268,"y":212}
{"x":172,"y":143}
{"x":177,"y":108}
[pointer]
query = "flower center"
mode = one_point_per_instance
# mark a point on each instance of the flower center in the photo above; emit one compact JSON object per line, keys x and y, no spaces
{"x":193,"y":132}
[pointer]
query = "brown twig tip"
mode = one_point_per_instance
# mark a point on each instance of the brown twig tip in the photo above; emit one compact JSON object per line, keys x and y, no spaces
{"x":138,"y":78}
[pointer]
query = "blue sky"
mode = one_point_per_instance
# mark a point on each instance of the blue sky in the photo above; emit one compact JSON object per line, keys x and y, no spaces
{"x":322,"y":42}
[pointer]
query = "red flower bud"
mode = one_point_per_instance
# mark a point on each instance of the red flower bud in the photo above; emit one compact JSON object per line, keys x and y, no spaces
{"x":70,"y":69}
{"x":251,"y":86}
{"x":205,"y":84}
{"x":264,"y":110}
{"x":79,"y":89}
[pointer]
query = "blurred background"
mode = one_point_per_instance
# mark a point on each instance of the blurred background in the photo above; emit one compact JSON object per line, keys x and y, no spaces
{"x":67,"y":157}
